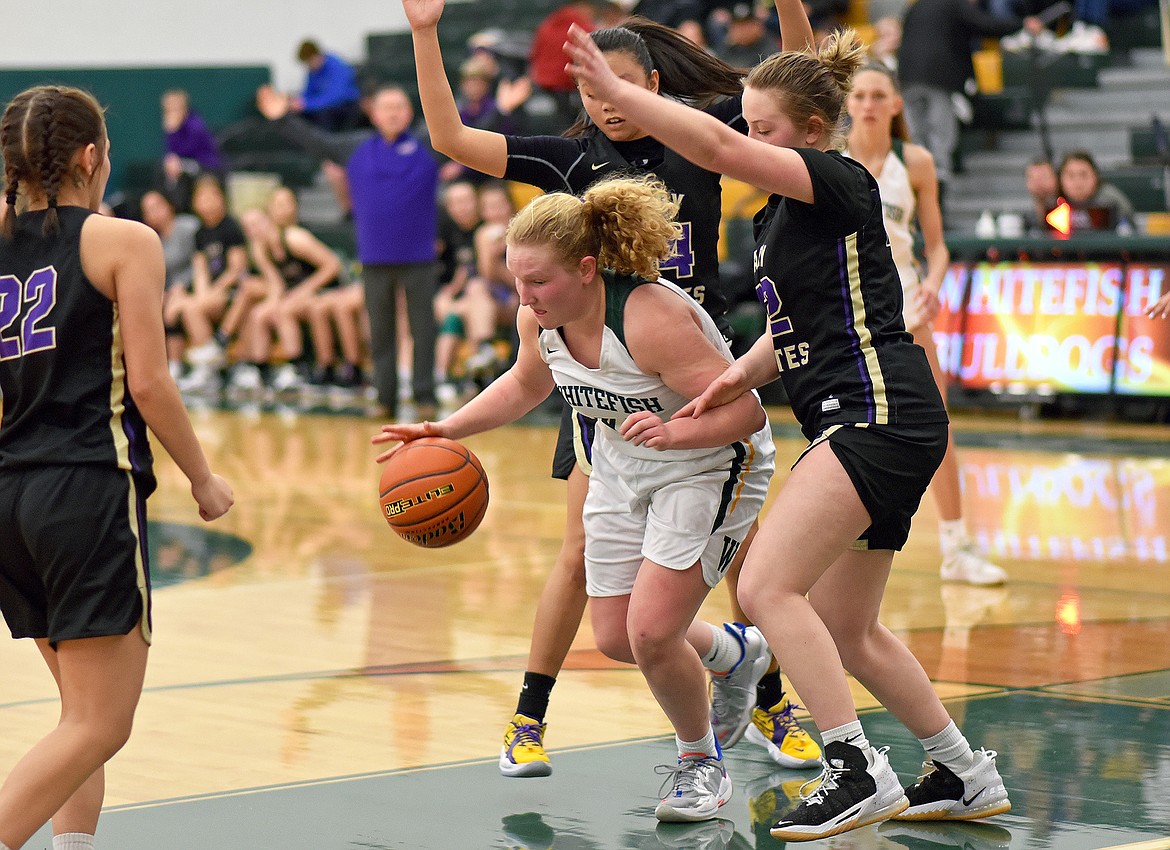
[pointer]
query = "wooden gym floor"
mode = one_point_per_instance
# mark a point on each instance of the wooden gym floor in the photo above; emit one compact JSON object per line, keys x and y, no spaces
{"x":317,"y":683}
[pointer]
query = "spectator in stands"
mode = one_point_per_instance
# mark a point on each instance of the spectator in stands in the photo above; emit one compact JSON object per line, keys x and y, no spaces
{"x":337,"y":313}
{"x":391,"y":181}
{"x":1095,"y":205}
{"x":490,"y":301}
{"x":191,"y":149}
{"x":747,"y":40}
{"x":934,"y":65}
{"x":177,"y":232}
{"x":488,"y":103}
{"x":296,"y":267}
{"x":458,"y":222}
{"x":331,"y":96}
{"x":887,"y":37}
{"x":218,"y":267}
{"x":1041,"y":183}
{"x":546,"y":57}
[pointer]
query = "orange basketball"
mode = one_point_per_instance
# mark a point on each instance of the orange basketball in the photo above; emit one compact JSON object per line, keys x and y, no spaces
{"x":434,"y":492}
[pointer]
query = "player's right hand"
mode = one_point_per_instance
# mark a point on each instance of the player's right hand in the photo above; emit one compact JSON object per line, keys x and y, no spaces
{"x":404,"y":433}
{"x":423,"y":14}
{"x":214,"y":497}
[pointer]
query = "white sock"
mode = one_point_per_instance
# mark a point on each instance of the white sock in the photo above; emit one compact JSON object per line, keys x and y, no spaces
{"x":703,"y":745}
{"x":73,"y":841}
{"x":726,"y":651}
{"x":849,"y":733}
{"x":952,"y":534}
{"x":949,"y":747}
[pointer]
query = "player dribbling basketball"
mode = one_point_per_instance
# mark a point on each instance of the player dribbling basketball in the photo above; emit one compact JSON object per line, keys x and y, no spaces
{"x":669,"y":501}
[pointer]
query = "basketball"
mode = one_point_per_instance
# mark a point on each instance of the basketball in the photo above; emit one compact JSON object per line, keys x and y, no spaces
{"x":433,"y":492}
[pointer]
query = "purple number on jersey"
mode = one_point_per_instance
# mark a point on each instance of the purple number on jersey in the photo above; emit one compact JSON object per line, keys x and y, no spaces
{"x":682,"y":257}
{"x":40,"y":292}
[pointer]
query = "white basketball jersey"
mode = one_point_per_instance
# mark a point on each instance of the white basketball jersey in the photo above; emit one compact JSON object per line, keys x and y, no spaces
{"x":617,"y":387}
{"x":898,"y":210}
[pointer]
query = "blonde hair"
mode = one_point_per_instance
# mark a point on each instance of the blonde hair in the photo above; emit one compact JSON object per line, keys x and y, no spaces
{"x":811,"y":83}
{"x":627,"y":223}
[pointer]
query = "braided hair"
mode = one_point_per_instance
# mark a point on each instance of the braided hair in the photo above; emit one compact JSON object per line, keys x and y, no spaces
{"x":42,"y":128}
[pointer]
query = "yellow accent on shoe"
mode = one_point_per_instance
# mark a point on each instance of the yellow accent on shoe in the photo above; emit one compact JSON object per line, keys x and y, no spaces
{"x":778,"y":731}
{"x":523,"y":751}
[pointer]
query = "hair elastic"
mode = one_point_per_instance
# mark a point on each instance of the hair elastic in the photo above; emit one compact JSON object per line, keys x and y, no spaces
{"x":11,"y":199}
{"x":52,"y":203}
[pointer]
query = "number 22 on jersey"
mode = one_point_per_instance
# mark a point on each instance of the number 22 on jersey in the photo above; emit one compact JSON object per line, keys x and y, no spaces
{"x":39,"y":293}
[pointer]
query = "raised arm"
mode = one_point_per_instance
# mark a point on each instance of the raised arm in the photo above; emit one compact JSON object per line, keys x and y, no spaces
{"x":482,"y":150}
{"x":701,"y":138}
{"x":795,"y":31}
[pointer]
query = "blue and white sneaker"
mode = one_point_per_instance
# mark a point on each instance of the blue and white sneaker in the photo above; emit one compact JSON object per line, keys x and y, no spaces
{"x":733,"y":694}
{"x":699,"y":787}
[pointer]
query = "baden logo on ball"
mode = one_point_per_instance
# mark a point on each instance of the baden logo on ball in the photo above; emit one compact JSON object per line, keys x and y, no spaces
{"x":433,"y":492}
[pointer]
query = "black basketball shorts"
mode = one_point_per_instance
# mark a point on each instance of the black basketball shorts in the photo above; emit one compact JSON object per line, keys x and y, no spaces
{"x":890,"y":467}
{"x":74,"y":560}
{"x":574,"y":443}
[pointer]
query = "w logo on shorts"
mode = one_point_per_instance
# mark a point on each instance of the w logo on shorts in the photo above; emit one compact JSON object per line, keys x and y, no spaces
{"x":730,"y":547}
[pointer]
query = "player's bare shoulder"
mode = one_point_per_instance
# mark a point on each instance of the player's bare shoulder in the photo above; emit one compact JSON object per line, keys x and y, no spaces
{"x":110,"y":245}
{"x":919,"y":162}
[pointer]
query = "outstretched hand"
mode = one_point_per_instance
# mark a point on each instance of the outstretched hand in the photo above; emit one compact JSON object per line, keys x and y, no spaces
{"x":726,"y":388}
{"x":511,"y":94}
{"x":1160,"y":308}
{"x":404,"y":433}
{"x":423,"y":14}
{"x":272,"y":104}
{"x":587,"y":63}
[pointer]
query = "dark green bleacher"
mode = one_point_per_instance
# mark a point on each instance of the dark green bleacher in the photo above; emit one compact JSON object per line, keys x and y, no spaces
{"x":1144,"y":185}
{"x":1048,"y":70}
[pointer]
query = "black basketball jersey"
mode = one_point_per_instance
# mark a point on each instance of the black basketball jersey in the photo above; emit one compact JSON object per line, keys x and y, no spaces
{"x":292,"y":268}
{"x":826,"y":278}
{"x":557,"y":164}
{"x":64,"y":398}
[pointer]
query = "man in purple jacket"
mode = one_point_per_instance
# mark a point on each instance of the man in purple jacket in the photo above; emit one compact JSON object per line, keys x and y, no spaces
{"x":393,"y":184}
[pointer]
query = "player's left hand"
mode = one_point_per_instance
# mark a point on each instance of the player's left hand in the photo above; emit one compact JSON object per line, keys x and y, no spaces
{"x":587,"y":63}
{"x":404,"y":433}
{"x":927,"y":305}
{"x":646,"y":429}
{"x":1160,"y":308}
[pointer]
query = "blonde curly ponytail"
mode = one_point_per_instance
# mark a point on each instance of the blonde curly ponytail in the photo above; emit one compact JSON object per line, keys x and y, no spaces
{"x":627,"y":223}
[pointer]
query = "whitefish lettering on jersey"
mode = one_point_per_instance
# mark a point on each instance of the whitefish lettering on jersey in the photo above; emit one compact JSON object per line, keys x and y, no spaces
{"x":593,"y":399}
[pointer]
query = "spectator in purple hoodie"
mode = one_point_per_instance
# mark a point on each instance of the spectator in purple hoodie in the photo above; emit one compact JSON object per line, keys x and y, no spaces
{"x":392,"y":182}
{"x":191,"y":149}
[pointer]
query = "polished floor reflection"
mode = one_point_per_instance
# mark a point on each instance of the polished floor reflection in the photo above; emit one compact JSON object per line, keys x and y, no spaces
{"x":318,"y":683}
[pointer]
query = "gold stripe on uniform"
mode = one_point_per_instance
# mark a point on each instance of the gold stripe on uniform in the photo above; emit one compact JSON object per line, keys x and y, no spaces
{"x":118,"y":395}
{"x":745,"y":468}
{"x":122,"y":454}
{"x":579,"y":445}
{"x":139,"y":563}
{"x":865,"y":339}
